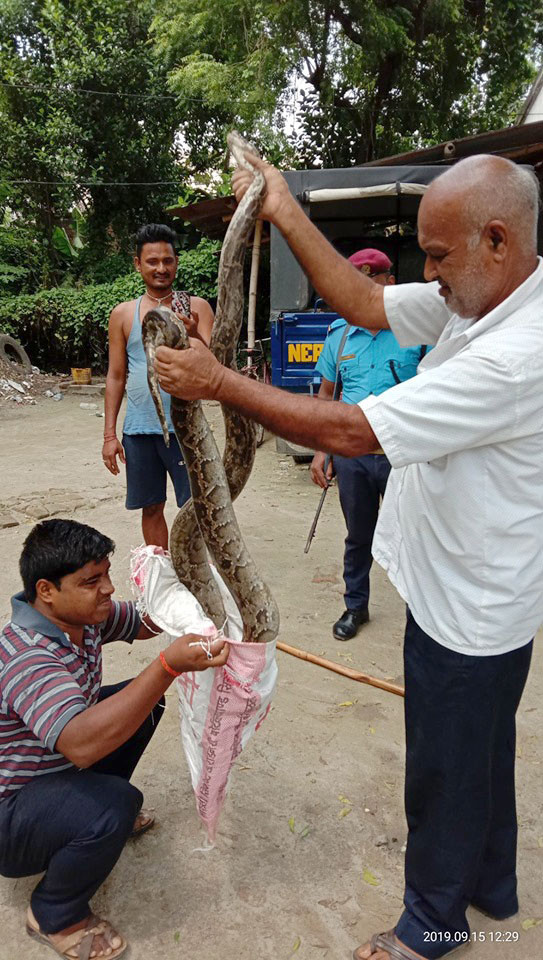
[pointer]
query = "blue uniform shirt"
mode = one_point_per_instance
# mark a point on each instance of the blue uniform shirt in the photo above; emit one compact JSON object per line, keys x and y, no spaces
{"x":370,"y":362}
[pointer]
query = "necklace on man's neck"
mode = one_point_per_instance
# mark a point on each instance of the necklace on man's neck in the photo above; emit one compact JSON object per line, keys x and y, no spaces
{"x":159,"y":300}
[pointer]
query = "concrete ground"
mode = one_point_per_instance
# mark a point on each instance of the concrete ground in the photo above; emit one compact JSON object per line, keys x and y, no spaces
{"x":309,"y":861}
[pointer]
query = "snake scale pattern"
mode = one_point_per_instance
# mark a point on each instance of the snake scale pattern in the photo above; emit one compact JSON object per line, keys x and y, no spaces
{"x":207,"y":523}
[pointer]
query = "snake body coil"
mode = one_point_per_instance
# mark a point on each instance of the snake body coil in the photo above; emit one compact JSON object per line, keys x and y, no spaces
{"x":208,"y":519}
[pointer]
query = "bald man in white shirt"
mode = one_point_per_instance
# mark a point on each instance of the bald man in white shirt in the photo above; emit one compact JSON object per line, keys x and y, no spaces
{"x":461,"y":527}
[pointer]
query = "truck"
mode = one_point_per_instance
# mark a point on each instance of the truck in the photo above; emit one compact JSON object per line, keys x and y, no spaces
{"x":354,"y":207}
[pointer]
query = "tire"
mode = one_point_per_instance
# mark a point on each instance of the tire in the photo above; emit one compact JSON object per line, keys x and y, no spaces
{"x":302,"y":458}
{"x":12,"y":351}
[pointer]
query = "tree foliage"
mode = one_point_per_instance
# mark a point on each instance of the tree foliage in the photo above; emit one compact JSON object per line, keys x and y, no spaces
{"x":131,"y":92}
{"x":66,"y":140}
{"x":370,"y":77}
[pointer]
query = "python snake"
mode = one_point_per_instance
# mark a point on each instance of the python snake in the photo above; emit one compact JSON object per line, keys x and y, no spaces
{"x":208,"y":519}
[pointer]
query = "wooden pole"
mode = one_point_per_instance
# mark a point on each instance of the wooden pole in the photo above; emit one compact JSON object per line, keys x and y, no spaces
{"x":253,"y":288}
{"x":344,"y":671}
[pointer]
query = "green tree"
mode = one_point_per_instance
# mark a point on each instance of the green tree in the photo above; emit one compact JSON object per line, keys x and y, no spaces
{"x":82,"y":102}
{"x":373,"y":76}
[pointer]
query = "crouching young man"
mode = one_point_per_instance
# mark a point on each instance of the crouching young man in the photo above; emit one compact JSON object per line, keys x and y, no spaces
{"x":68,"y":746}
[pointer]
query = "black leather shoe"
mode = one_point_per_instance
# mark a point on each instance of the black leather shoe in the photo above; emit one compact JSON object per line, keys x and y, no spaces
{"x":349,"y":623}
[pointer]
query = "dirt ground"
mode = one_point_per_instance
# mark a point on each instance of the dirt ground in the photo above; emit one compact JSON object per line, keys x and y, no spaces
{"x":310,"y":855}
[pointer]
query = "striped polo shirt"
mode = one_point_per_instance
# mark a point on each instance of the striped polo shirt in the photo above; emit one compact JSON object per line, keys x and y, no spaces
{"x":45,"y":681}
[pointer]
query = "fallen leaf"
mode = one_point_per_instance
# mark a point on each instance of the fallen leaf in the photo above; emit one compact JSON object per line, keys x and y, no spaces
{"x":297,"y":945}
{"x":369,"y":878}
{"x":372,"y":729}
{"x":343,"y":799}
{"x":305,"y":831}
{"x":344,"y":811}
{"x":177,"y":936}
{"x":346,"y":703}
{"x":530,"y":922}
{"x":291,"y":824}
{"x":540,"y":841}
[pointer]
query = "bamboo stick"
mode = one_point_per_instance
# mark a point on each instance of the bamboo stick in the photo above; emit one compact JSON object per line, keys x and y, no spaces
{"x":253,"y":289}
{"x":344,"y":671}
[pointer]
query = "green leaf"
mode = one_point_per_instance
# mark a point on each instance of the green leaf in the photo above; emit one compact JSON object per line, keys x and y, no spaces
{"x":62,"y":243}
{"x":368,"y":877}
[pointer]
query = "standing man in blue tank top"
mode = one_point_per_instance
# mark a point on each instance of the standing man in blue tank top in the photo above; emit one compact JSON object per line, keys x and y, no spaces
{"x":148,"y":460}
{"x":370,"y":362}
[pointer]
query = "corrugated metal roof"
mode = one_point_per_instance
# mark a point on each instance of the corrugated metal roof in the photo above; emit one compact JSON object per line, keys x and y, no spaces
{"x":524,"y":144}
{"x":210,"y":216}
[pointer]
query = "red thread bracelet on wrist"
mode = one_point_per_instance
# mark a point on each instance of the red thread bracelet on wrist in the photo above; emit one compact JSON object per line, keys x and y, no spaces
{"x":166,"y":665}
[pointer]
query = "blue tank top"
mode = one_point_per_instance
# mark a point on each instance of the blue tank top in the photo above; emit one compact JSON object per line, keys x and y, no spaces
{"x":141,"y":416}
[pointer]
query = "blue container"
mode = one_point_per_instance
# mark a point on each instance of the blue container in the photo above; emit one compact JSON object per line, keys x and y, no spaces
{"x":296,"y":344}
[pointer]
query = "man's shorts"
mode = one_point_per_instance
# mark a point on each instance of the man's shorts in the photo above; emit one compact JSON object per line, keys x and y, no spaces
{"x":148,"y":461}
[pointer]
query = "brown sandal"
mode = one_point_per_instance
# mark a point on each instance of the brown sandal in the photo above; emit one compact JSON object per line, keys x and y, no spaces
{"x":146,"y":821}
{"x":78,"y":945}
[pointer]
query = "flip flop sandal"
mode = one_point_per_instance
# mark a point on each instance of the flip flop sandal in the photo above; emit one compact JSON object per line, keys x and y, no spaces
{"x":78,"y":945}
{"x":387,"y":942}
{"x":148,"y":822}
{"x":396,"y":951}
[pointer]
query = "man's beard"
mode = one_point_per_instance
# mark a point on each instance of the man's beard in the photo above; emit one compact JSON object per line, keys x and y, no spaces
{"x":472,"y":292}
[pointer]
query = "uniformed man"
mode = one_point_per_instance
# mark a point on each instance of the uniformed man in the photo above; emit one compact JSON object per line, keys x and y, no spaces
{"x":370,"y":362}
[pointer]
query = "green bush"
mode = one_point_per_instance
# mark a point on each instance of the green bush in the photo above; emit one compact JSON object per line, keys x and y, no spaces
{"x":99,"y":266}
{"x":66,"y":327}
{"x":22,"y":261}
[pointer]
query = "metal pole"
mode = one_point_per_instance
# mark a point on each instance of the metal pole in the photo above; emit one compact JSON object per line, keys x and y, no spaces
{"x":253,"y":287}
{"x":344,"y":671}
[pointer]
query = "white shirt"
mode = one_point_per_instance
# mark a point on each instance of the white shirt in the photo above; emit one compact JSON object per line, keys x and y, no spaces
{"x":460,"y":531}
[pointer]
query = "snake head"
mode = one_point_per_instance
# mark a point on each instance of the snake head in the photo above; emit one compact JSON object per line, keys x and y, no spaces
{"x":238,"y":147}
{"x":160,"y":328}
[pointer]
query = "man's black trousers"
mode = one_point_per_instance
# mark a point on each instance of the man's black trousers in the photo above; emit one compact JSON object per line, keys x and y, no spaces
{"x":459,"y":789}
{"x":362,"y":482}
{"x":73,"y":825}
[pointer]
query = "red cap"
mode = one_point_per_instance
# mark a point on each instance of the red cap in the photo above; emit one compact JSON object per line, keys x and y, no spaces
{"x":370,"y":261}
